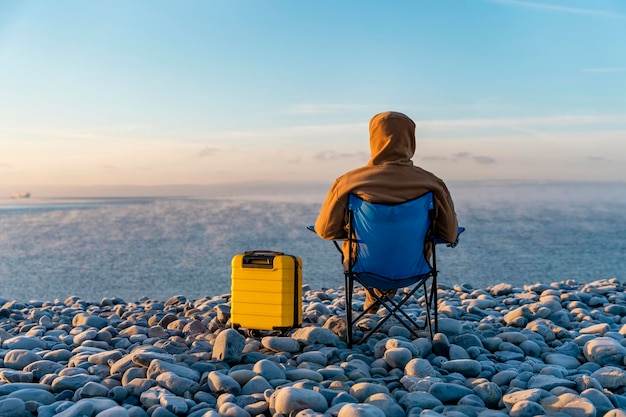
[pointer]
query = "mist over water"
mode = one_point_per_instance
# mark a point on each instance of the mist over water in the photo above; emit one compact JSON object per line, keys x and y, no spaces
{"x":159,"y":247}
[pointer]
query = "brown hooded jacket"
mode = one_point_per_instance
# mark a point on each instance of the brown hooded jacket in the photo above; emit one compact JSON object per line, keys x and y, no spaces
{"x":389,"y":177}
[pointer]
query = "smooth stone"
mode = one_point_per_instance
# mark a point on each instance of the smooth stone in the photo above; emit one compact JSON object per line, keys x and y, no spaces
{"x":526,"y":409}
{"x":598,"y":399}
{"x":72,"y":382}
{"x":530,"y":395}
{"x":315,"y":335}
{"x":604,"y":351}
{"x":158,"y":367}
{"x":419,"y":400}
{"x":281,"y":344}
{"x":242,"y":376}
{"x":467,"y":367}
{"x":94,"y":389}
{"x":599,"y":328}
{"x":269,"y":370}
{"x":232,"y":410}
{"x":229,"y":346}
{"x":610,"y":377}
{"x":441,"y":345}
{"x":24,"y":342}
{"x":20,"y":358}
{"x":505,"y":377}
{"x":78,"y":409}
{"x":566,"y":361}
{"x":288,"y":399}
{"x":419,"y":368}
{"x":88,"y":320}
{"x":569,"y":404}
{"x":117,"y":411}
{"x":176,"y":384}
{"x":457,"y":352}
{"x":222,"y":383}
{"x":12,"y":376}
{"x":12,"y":407}
{"x":360,"y":410}
{"x":387,"y":404}
{"x":313,"y":357}
{"x":489,"y":392}
{"x":362,"y":390}
{"x":255,"y":385}
{"x":450,"y":327}
{"x":103,"y":358}
{"x":397,"y":357}
{"x":449,"y":393}
{"x":173,"y":403}
{"x":145,"y":358}
{"x":299,"y":373}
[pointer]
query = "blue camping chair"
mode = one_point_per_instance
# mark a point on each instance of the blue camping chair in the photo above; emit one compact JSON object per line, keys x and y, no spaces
{"x":388,"y":242}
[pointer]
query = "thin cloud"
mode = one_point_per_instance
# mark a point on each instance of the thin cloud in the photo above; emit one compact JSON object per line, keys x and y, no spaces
{"x":484,"y":160}
{"x":596,"y":158}
{"x":563,"y":120}
{"x":6,"y":166}
{"x":434,"y":158}
{"x":208,"y":152}
{"x":480,"y":159}
{"x":603,"y":70}
{"x":335,"y":156}
{"x":562,"y":9}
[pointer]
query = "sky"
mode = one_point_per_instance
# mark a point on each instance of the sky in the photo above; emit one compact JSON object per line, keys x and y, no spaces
{"x":118,"y":93}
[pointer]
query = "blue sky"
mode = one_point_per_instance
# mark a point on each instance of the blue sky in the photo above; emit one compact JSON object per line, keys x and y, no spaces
{"x":202,"y":92}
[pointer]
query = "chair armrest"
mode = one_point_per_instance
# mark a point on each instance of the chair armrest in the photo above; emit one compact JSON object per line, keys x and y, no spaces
{"x":439,"y":240}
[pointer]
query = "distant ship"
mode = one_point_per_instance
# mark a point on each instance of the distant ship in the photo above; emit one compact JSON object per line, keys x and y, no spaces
{"x":20,"y":194}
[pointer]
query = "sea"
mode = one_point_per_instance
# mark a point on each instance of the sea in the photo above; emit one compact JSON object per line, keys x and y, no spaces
{"x":133,"y":248}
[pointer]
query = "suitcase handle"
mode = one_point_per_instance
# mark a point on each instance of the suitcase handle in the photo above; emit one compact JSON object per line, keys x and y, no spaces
{"x":261,"y":251}
{"x":259,"y":259}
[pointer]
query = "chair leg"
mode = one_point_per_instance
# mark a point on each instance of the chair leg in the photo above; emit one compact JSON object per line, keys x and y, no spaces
{"x":427,"y":301}
{"x":348,"y":296}
{"x":435,"y":302}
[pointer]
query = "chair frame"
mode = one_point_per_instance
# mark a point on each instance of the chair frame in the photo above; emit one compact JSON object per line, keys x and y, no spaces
{"x":392,"y":306}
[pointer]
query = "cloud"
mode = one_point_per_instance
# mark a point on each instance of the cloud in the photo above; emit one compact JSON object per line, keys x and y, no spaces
{"x":335,"y":156}
{"x":434,"y":158}
{"x":208,"y":152}
{"x":484,"y":160}
{"x":562,"y":9}
{"x":480,"y":159}
{"x":562,"y":120}
{"x":597,"y":158}
{"x":5,"y":166}
{"x":603,"y":70}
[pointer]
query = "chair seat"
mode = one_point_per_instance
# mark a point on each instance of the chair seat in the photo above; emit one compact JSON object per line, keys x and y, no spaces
{"x":383,"y":283}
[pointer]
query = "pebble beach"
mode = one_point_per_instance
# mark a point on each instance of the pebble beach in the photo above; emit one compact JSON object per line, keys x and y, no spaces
{"x":554,"y":349}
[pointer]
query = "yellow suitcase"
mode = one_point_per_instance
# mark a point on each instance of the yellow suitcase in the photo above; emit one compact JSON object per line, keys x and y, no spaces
{"x":266,"y":291}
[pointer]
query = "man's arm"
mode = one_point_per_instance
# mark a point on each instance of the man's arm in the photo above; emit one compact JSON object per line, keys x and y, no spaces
{"x":331,"y":221}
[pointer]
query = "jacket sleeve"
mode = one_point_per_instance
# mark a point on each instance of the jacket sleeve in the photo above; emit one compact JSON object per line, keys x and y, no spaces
{"x":446,"y":224}
{"x":331,"y":222}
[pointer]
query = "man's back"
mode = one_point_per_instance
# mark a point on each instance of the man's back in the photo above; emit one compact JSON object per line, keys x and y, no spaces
{"x":389,"y":177}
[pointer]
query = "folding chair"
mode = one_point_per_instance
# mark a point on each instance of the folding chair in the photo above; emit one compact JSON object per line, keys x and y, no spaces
{"x":388,"y":242}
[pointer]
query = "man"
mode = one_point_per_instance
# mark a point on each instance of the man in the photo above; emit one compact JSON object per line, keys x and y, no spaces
{"x":389,"y":177}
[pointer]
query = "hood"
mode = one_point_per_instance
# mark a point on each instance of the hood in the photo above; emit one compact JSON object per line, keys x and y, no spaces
{"x":392,"y":139}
